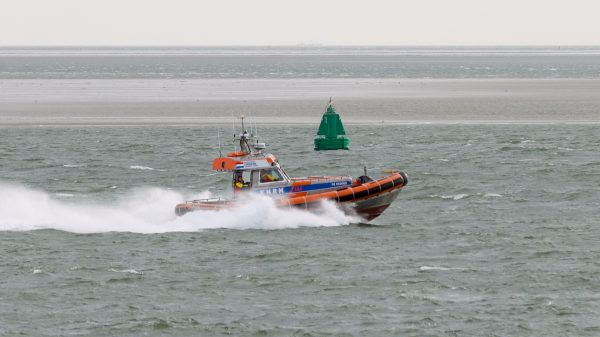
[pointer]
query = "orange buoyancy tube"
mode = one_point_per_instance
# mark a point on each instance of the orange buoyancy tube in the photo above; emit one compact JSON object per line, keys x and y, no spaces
{"x":348,"y":194}
{"x":237,"y":154}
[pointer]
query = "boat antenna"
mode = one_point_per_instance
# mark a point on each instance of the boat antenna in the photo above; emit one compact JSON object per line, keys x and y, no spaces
{"x":233,"y":128}
{"x":249,"y":116}
{"x":255,"y":128}
{"x":219,"y":140}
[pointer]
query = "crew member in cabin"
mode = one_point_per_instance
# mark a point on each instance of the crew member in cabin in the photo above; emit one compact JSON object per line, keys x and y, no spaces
{"x":240,"y":183}
{"x":268,"y":177}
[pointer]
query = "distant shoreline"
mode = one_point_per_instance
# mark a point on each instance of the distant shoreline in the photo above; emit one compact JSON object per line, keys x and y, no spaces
{"x":299,"y":101}
{"x":302,"y":124}
{"x":245,"y":89}
{"x":298,"y":49}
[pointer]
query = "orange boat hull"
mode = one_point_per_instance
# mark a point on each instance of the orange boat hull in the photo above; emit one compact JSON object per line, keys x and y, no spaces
{"x":367,"y":200}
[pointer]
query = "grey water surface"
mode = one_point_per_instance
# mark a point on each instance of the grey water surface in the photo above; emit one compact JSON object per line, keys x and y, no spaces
{"x":299,"y":62}
{"x":496,"y":234}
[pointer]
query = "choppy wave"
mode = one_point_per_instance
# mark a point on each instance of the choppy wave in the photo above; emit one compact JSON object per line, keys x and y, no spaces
{"x":434,"y":268}
{"x":149,"y":210}
{"x":140,"y":167}
{"x":126,"y":271}
{"x":453,"y":197}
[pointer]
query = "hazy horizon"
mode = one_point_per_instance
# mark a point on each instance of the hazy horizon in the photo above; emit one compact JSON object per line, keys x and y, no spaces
{"x":301,"y":45}
{"x":271,"y":22}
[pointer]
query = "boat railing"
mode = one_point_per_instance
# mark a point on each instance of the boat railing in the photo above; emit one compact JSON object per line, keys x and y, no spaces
{"x":323,"y":178}
{"x":210,"y":200}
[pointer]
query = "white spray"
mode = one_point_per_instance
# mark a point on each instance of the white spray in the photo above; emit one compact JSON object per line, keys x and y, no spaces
{"x":149,"y":210}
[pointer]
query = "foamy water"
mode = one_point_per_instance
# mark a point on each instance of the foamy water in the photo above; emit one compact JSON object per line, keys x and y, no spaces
{"x":149,"y":210}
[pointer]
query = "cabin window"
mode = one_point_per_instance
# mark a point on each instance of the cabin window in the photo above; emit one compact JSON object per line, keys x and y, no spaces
{"x":270,"y":175}
{"x":242,"y":179}
{"x":247,"y":175}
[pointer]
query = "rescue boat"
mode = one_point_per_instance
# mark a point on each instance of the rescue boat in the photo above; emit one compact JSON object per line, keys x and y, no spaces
{"x":256,"y":171}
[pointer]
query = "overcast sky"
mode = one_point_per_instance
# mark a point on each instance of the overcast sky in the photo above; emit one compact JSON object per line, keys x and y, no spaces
{"x":281,"y":22}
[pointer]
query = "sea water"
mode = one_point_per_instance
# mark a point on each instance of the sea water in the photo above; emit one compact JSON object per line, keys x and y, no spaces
{"x":495,"y":234}
{"x":301,"y":62}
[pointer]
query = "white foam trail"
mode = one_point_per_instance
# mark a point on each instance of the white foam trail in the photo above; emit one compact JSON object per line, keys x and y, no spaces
{"x":149,"y":210}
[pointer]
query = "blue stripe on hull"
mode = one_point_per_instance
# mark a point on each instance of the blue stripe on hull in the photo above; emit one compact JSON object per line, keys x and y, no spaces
{"x":304,"y":188}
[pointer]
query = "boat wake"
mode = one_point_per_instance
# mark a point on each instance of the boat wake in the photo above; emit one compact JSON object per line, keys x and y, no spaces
{"x":149,"y":210}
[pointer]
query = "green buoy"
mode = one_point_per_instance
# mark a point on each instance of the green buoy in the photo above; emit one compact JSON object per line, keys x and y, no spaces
{"x":331,"y":134}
